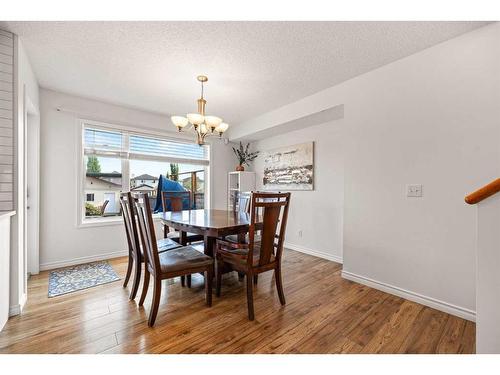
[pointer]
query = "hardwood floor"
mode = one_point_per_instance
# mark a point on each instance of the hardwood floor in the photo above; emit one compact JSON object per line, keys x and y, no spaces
{"x":324,"y":314}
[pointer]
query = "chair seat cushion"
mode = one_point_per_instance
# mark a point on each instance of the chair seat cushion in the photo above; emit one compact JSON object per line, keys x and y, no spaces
{"x":183,"y":258}
{"x":166,"y":244}
{"x":234,"y":238}
{"x":240,"y":255}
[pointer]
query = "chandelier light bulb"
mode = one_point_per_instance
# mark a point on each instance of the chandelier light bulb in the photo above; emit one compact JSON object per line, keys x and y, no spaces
{"x":221,"y":128}
{"x":179,"y":121}
{"x":195,"y":118}
{"x":212,"y":122}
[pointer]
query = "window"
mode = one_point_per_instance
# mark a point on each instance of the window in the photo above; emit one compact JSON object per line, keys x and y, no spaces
{"x":117,"y":160}
{"x":103,"y":182}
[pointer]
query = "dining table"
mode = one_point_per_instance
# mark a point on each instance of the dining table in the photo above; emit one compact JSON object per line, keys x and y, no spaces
{"x":211,"y":223}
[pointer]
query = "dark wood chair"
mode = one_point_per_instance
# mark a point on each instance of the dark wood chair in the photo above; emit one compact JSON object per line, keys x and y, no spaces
{"x":103,"y":207}
{"x":174,"y":201}
{"x":135,"y":254}
{"x":253,"y":258}
{"x":241,"y":204}
{"x":178,"y":262}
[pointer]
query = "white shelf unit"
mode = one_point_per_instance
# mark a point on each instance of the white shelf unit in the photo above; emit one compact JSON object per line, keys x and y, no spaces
{"x":237,"y":183}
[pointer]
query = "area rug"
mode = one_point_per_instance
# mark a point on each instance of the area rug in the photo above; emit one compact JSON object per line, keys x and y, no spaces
{"x":80,"y":277}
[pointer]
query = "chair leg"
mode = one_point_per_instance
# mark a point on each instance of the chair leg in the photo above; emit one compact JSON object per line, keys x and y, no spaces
{"x":255,"y":279}
{"x":129,"y":271}
{"x":183,"y":281}
{"x":188,"y":281}
{"x":209,"y":274}
{"x":218,"y":279}
{"x":250,"y":297}
{"x":279,"y":284}
{"x":145,"y":286}
{"x":156,"y":302}
{"x":137,"y":279}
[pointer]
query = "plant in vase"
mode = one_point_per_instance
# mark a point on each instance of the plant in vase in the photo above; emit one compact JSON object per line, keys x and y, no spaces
{"x":244,"y":156}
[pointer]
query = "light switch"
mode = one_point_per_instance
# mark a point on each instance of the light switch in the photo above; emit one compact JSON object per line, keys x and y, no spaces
{"x":414,"y":191}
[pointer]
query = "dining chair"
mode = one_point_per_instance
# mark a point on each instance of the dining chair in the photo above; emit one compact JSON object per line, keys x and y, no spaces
{"x":243,"y":202}
{"x":135,"y":252}
{"x":177,"y":262}
{"x":242,"y":205}
{"x":102,"y":208}
{"x":175,"y":201}
{"x":253,"y":258}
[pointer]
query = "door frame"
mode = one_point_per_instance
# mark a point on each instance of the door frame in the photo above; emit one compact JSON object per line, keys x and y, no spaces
{"x":31,"y":181}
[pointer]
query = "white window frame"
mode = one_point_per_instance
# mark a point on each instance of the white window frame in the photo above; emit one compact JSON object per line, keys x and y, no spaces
{"x":81,"y":220}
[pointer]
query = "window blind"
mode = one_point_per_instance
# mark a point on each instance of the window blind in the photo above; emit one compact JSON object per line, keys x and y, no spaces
{"x":160,"y":147}
{"x":134,"y":146}
{"x":100,"y":142}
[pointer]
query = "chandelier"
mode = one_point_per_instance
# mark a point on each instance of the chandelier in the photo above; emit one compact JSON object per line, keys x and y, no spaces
{"x":202,"y":125}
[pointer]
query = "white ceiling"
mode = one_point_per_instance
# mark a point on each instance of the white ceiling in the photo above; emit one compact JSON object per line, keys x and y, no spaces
{"x":253,"y":67}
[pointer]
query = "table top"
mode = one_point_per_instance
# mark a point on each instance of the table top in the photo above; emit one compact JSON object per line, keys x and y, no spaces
{"x":207,"y":218}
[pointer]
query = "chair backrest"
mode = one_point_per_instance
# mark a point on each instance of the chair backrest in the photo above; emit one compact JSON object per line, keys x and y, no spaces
{"x":103,"y":207}
{"x":147,"y":232}
{"x":243,"y":202}
{"x":175,"y":200}
{"x":271,"y":210}
{"x":128,"y":213}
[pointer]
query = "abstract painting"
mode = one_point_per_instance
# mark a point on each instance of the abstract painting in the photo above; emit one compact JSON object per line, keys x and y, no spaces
{"x":289,"y":168}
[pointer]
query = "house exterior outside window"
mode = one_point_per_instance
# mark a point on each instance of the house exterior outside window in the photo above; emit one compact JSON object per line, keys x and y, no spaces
{"x":116,"y":159}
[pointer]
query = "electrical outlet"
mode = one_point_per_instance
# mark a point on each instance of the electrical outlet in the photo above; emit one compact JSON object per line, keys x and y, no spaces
{"x":300,"y":233}
{"x":414,"y":191}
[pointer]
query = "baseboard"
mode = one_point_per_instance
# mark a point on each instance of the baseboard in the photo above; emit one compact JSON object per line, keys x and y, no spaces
{"x":81,"y":260}
{"x":412,"y":296}
{"x":14,"y":310}
{"x":18,"y":309}
{"x":319,"y":254}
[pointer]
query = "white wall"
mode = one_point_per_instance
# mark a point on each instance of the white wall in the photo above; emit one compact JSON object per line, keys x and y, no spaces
{"x":27,"y":100}
{"x":431,"y":119}
{"x":318,"y":213}
{"x":488,"y":276}
{"x":61,"y":241}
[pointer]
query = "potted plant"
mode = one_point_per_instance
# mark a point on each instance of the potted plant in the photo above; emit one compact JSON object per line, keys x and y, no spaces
{"x":244,"y":156}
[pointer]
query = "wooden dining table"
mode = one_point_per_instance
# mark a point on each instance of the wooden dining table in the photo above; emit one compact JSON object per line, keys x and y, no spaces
{"x":210,"y":223}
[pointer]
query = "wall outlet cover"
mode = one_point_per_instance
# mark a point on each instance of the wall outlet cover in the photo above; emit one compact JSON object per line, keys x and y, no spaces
{"x":414,"y":190}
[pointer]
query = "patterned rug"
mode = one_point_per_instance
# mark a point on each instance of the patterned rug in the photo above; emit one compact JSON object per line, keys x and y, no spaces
{"x":80,"y":277}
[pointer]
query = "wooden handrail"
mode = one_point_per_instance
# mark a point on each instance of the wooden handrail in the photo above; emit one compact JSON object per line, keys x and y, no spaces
{"x":483,"y":193}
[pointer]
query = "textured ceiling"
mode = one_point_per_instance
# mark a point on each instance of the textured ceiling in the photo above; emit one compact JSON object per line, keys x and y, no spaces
{"x":253,"y":67}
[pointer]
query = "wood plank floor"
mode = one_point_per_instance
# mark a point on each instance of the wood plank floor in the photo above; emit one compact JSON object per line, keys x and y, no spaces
{"x":324,"y":314}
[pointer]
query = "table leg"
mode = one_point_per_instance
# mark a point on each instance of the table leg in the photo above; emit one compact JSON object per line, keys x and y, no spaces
{"x":183,"y":242}
{"x":209,"y":243}
{"x":182,"y":238}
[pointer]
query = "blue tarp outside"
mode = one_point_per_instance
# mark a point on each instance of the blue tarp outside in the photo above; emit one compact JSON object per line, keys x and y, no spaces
{"x":164,"y":184}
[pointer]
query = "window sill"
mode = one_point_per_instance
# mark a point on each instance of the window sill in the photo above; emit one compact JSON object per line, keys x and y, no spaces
{"x":104,"y":222}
